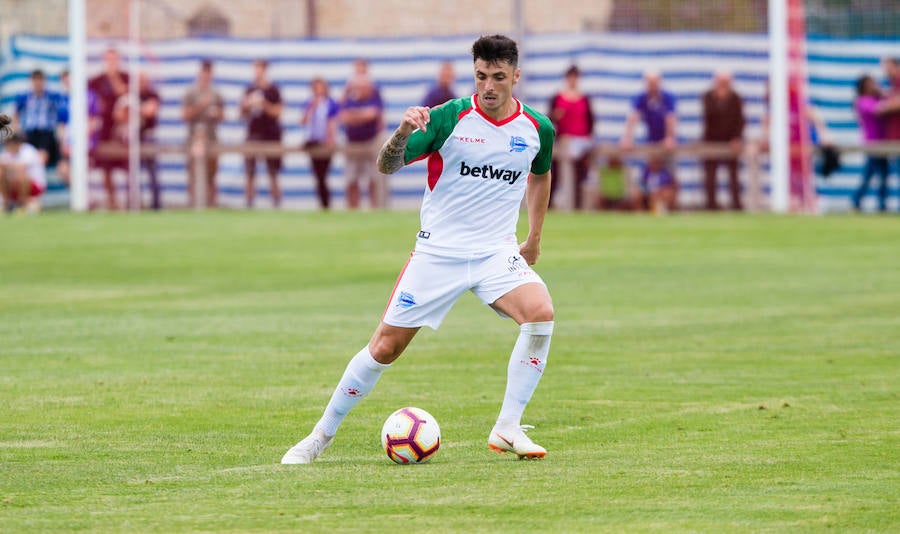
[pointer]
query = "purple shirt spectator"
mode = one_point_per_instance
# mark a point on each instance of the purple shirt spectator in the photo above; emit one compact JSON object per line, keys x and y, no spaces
{"x":655,"y":178}
{"x":367,"y":130}
{"x":870,"y":124}
{"x":653,"y":111}
{"x":437,"y":96}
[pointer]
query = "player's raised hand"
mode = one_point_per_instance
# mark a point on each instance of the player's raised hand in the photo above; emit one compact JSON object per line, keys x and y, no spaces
{"x":416,"y":117}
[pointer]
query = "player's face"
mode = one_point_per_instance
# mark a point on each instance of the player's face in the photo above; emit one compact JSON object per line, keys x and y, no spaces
{"x":494,"y":84}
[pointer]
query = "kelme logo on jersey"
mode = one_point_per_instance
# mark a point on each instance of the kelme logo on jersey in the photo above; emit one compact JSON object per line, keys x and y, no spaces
{"x":489,"y":172}
{"x":517,"y":144}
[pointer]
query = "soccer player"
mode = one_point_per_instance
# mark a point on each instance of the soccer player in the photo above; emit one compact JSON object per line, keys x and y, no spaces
{"x":485,"y":152}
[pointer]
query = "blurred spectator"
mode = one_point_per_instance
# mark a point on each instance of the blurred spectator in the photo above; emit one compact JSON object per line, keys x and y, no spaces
{"x":810,"y":125}
{"x":570,"y":111}
{"x":360,"y":70}
{"x":320,"y":119}
{"x":37,"y":113}
{"x":656,"y":108}
{"x":442,"y":90}
{"x":203,"y":109}
{"x":613,"y":191}
{"x":892,"y":75}
{"x":657,"y":188}
{"x":62,"y":128}
{"x":362,"y":115}
{"x":22,"y":178}
{"x":64,"y":133}
{"x":723,"y":122}
{"x":868,"y":99}
{"x":108,"y":87}
{"x":892,"y":106}
{"x":261,"y":107}
{"x":148,"y":117}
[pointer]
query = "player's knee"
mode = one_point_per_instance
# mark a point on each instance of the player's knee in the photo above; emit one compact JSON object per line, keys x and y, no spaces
{"x":541,"y":313}
{"x":386,"y":349}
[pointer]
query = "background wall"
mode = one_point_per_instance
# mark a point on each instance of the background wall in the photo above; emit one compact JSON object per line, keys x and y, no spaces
{"x":404,"y":67}
{"x":304,"y":18}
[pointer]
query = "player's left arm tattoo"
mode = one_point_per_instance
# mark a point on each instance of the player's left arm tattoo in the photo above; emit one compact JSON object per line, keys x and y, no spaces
{"x":391,"y":156}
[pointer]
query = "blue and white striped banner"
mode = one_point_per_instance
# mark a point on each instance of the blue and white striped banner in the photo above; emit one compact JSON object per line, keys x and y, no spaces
{"x":612,"y":67}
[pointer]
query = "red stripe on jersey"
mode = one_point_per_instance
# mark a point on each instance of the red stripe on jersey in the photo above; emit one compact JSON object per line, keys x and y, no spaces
{"x":423,"y":156}
{"x":435,"y":168}
{"x":493,"y":121}
{"x":397,"y":283}
{"x":463,"y":113}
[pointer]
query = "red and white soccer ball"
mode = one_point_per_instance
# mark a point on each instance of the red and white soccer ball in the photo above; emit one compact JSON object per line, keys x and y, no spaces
{"x":410,"y":436}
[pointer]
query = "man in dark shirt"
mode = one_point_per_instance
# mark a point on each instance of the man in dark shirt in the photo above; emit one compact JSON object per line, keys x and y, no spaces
{"x":108,"y":87}
{"x":261,"y":108}
{"x":442,"y":90}
{"x":148,"y":117}
{"x":723,"y":122}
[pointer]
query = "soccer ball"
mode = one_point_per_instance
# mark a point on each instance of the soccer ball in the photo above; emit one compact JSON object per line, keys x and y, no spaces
{"x":410,"y":436}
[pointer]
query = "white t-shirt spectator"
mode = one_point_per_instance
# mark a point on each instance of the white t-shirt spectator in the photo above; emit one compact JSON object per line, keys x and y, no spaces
{"x":30,"y":156}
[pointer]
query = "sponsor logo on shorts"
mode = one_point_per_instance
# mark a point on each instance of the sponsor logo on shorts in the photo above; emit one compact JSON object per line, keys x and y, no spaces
{"x":516,"y":263}
{"x":489,"y":172}
{"x":424,"y":235}
{"x":517,"y":144}
{"x":406,"y":300}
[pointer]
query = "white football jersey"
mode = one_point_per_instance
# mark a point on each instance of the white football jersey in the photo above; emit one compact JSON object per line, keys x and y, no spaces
{"x":477,"y":172}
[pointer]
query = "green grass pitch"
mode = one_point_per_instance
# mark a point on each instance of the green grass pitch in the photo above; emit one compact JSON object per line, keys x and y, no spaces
{"x":707,"y":373}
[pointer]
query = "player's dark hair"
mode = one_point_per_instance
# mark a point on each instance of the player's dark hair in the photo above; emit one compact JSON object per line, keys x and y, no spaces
{"x":5,"y":121}
{"x":37,"y":73}
{"x":494,"y":49}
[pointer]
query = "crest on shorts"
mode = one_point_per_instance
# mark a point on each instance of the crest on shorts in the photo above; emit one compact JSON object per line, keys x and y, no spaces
{"x":406,"y":300}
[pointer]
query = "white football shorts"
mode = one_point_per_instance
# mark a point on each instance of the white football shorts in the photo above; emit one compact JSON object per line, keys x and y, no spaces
{"x":429,"y":285}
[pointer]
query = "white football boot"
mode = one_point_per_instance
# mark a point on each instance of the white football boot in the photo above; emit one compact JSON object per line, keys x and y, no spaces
{"x":308,"y":449}
{"x":513,"y":439}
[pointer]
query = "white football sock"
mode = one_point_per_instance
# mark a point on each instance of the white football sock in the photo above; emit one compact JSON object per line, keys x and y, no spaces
{"x":526,"y":366}
{"x":359,"y":378}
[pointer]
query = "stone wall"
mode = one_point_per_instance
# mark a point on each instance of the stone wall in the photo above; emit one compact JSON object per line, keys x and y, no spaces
{"x":161,"y":19}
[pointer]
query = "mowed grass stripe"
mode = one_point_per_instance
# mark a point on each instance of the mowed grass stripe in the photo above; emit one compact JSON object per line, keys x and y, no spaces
{"x":707,"y":373}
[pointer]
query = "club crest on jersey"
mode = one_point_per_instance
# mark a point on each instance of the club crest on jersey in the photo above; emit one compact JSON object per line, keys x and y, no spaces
{"x":517,"y":144}
{"x":489,"y":172}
